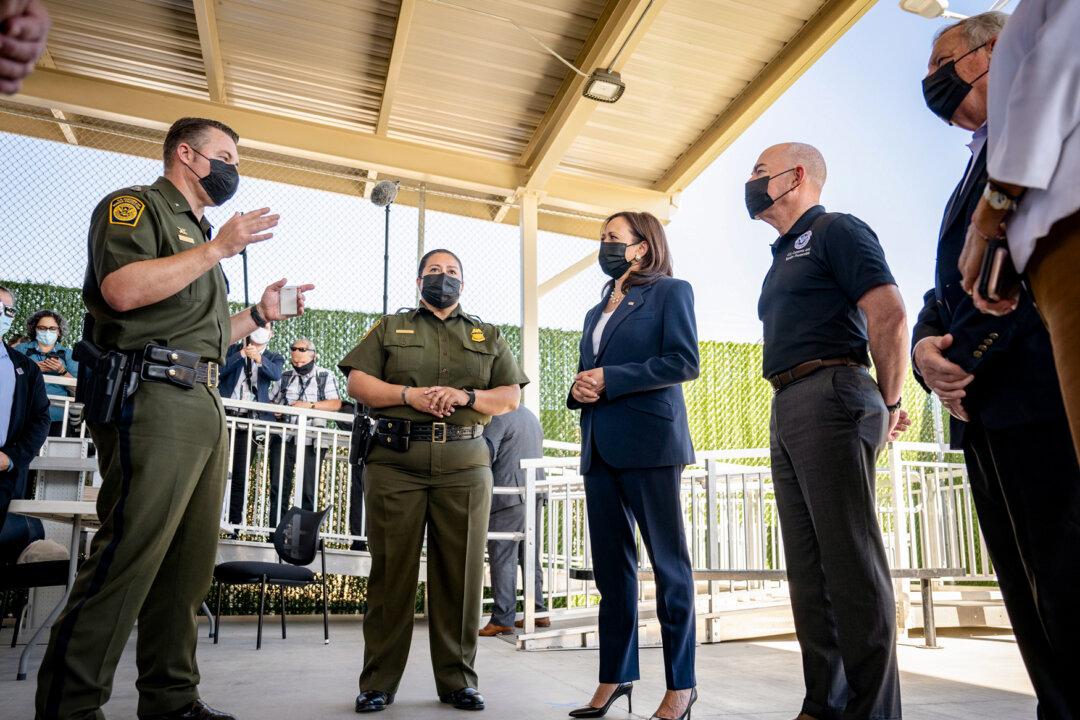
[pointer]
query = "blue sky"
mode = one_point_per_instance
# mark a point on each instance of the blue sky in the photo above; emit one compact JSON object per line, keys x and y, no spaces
{"x":890,"y":161}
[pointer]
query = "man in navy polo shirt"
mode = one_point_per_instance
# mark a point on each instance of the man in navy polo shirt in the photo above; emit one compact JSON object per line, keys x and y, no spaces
{"x":829,"y":303}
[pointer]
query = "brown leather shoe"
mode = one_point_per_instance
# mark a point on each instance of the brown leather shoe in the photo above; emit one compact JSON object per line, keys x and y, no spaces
{"x":540,"y":622}
{"x":491,"y":630}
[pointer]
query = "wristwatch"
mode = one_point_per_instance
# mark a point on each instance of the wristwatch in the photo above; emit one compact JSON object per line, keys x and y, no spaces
{"x":896,"y":406}
{"x":257,"y":318}
{"x":998,"y":199}
{"x":472,"y":397}
{"x":405,"y":394}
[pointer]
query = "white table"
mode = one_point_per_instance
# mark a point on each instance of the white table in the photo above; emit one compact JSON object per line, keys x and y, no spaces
{"x":79,"y":514}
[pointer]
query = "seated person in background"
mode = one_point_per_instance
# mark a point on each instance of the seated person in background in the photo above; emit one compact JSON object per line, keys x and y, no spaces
{"x":46,"y":330}
{"x":305,"y":385}
{"x":249,"y":373}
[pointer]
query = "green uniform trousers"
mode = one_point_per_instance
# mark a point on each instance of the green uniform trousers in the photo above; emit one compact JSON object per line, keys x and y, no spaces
{"x":445,"y":489}
{"x":163,"y":468}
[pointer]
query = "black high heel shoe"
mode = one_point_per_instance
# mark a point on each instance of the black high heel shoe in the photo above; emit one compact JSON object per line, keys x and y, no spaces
{"x":686,"y":713}
{"x":589,"y":711}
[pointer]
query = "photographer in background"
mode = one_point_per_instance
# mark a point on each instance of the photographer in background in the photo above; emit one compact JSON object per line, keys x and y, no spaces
{"x":46,"y":329}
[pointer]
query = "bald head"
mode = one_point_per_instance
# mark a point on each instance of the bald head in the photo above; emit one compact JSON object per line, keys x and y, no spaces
{"x":796,"y":174}
{"x":796,"y":154}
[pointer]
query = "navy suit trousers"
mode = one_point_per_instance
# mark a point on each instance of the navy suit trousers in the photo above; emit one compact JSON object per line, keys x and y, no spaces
{"x":615,"y":499}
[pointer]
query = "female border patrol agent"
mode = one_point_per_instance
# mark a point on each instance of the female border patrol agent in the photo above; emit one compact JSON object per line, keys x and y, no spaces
{"x":433,"y":377}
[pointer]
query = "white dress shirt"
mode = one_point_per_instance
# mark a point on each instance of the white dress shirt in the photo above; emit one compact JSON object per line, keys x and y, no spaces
{"x":1034,"y":116}
{"x":598,"y":332}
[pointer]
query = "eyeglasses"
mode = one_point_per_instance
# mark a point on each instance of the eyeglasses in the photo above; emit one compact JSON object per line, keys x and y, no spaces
{"x":296,"y":348}
{"x":8,"y":311}
{"x":48,"y":328}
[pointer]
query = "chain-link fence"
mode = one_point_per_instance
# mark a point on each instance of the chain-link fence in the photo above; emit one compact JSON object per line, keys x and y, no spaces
{"x":331,"y":235}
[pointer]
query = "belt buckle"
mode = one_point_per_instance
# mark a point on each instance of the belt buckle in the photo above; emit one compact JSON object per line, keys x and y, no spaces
{"x":212,"y":374}
{"x":435,"y":428}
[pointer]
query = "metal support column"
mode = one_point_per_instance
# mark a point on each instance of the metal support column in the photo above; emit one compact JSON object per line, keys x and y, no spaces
{"x":530,"y":300}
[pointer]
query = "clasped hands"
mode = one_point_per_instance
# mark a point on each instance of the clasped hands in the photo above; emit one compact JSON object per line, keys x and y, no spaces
{"x":588,"y":385}
{"x":437,"y":400}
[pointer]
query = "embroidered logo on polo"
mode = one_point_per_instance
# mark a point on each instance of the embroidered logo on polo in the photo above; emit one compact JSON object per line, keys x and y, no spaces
{"x":800,"y":247}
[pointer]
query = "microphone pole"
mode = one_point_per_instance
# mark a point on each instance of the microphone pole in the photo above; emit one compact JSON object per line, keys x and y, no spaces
{"x":386,"y":265}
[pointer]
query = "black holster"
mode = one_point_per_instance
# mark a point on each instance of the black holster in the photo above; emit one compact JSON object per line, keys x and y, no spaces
{"x":106,"y":380}
{"x":362,"y":439}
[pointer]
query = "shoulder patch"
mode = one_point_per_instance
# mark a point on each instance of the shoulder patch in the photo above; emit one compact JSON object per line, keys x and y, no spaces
{"x":371,"y":329}
{"x":126,"y":210}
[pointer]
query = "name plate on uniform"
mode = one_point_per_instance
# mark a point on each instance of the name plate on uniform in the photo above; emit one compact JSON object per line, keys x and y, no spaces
{"x":405,"y":332}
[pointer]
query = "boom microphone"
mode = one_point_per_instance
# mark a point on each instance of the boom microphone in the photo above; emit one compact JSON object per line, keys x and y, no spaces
{"x":384,"y":193}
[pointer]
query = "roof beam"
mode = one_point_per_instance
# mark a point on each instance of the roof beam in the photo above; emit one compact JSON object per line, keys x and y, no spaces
{"x":206,"y":20}
{"x":46,"y":61}
{"x":623,"y":21}
{"x":153,"y":109}
{"x":834,"y":19}
{"x":397,"y":61}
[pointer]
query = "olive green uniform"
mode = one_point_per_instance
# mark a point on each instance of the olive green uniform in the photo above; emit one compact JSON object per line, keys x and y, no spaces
{"x":163,"y":467}
{"x":443,"y":488}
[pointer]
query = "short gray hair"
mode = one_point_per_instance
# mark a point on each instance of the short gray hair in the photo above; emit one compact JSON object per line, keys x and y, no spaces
{"x":14,"y":297}
{"x":309,"y":341}
{"x":977,"y":29}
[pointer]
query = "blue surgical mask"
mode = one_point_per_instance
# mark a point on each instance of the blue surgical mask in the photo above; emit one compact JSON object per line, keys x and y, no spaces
{"x":47,"y":338}
{"x":5,"y":323}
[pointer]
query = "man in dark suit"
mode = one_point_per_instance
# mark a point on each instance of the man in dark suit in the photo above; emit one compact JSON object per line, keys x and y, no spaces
{"x":996,"y":376}
{"x":249,"y":373}
{"x":24,"y":413}
{"x":511,"y":438}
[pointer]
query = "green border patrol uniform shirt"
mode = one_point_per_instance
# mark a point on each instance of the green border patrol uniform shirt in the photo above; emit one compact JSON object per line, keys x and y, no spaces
{"x":416,"y":348}
{"x":144,"y":223}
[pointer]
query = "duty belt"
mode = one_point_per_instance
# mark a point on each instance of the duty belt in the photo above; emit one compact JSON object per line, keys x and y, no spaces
{"x":437,"y":432}
{"x":174,"y":367}
{"x":781,"y":380}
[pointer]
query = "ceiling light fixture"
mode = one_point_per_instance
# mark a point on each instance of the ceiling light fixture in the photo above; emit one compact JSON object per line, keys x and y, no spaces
{"x":930,"y":9}
{"x":604,"y":86}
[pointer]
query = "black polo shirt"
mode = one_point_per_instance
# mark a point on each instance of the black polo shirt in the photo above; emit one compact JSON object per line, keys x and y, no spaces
{"x":820,"y":270}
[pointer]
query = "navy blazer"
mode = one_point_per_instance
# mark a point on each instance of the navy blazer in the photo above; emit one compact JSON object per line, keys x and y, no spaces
{"x":648,"y":349}
{"x":1015,"y":379}
{"x":269,"y":373}
{"x":27,"y":430}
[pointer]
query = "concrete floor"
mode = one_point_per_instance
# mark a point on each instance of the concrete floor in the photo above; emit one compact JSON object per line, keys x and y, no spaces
{"x":978,"y":676}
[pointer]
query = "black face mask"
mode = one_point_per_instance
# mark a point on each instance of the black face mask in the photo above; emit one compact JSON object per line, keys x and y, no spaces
{"x":222,"y":181}
{"x":305,"y":368}
{"x":944,"y":90}
{"x":758,"y":199}
{"x":440,"y":290}
{"x":613,"y":258}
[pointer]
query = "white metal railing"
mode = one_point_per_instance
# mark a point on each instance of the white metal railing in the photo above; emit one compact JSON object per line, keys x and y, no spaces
{"x":925,"y":507}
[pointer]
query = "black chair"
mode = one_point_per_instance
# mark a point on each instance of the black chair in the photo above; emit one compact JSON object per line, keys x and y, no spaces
{"x":296,"y":540}
{"x":14,"y":580}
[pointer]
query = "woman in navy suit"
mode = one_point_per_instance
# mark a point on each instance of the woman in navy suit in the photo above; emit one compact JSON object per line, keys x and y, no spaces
{"x":639,"y":345}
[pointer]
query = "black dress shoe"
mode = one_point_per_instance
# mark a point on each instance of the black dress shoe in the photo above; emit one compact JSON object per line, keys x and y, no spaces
{"x":197,"y":710}
{"x":373,"y":701}
{"x":464,"y":699}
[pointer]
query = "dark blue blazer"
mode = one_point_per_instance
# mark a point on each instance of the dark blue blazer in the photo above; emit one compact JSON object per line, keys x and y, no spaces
{"x":1015,"y":379}
{"x":27,"y":429}
{"x":233,"y":370}
{"x":648,"y":349}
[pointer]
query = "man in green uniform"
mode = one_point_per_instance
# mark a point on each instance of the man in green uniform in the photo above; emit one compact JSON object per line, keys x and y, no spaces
{"x":433,"y":377}
{"x":153,"y":279}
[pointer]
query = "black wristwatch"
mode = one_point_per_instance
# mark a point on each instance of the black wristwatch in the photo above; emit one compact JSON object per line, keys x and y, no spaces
{"x":472,"y":397}
{"x":896,"y":406}
{"x":257,"y":318}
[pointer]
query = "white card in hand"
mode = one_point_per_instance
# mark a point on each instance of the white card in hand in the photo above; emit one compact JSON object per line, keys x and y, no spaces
{"x":289,"y":306}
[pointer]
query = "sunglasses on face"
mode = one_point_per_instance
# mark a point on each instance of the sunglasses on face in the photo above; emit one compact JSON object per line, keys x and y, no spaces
{"x":7,"y":311}
{"x":294,"y":348}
